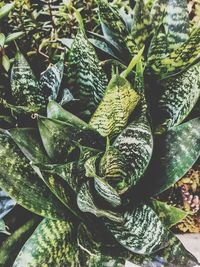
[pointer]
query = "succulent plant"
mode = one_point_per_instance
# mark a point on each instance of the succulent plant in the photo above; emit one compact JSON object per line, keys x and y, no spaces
{"x":93,"y":156}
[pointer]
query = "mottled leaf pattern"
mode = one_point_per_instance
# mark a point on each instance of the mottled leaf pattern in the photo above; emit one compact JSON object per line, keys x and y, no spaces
{"x":141,"y":231}
{"x":24,"y":85}
{"x":112,"y":114}
{"x":51,"y":244}
{"x":50,"y":80}
{"x":177,"y":97}
{"x":86,"y":77}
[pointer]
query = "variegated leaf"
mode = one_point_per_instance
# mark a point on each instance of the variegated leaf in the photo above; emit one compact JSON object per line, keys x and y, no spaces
{"x":25,"y":87}
{"x":176,"y":22}
{"x":140,"y":25}
{"x":86,"y":78}
{"x":135,"y":143}
{"x":6,"y":204}
{"x":51,"y":79}
{"x":157,"y":12}
{"x":112,"y":114}
{"x":141,"y":231}
{"x":177,"y":97}
{"x":51,"y":244}
{"x":102,"y":187}
{"x":22,"y":184}
{"x":12,"y":245}
{"x":86,"y":203}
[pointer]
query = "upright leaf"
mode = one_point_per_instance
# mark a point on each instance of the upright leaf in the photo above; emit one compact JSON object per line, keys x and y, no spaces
{"x":86,"y":78}
{"x":112,"y":114}
{"x":52,"y":244}
{"x":177,"y":97}
{"x":51,"y":79}
{"x":24,"y":85}
{"x":22,"y":184}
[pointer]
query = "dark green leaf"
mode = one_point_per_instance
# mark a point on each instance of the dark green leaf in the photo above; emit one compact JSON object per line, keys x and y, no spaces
{"x":22,"y":184}
{"x":51,"y":244}
{"x":140,"y":231}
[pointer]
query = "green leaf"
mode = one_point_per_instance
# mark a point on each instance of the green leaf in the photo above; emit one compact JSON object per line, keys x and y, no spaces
{"x":3,"y":228}
{"x":59,"y":138}
{"x":135,"y":143}
{"x":176,"y":23}
{"x":22,"y":184}
{"x":103,"y":46}
{"x":51,"y":244}
{"x":157,"y":12}
{"x":175,"y":153}
{"x":141,"y":20}
{"x":102,"y":187}
{"x":86,"y":78}
{"x":178,"y":95}
{"x":30,"y":143}
{"x":51,"y":79}
{"x":5,"y":10}
{"x":168,"y":214}
{"x":6,"y":62}
{"x":2,"y":39}
{"x":13,"y":36}
{"x":86,"y":203}
{"x":6,"y":204}
{"x":140,"y":231}
{"x":24,"y":85}
{"x":12,"y":245}
{"x":112,"y":114}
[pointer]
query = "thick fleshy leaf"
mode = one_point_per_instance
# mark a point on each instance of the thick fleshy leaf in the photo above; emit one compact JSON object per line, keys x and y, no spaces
{"x":103,"y":46}
{"x":51,"y":244}
{"x":24,"y":85}
{"x":168,"y":214}
{"x":4,"y":11}
{"x":135,"y":143}
{"x":86,"y":203}
{"x":175,"y":153}
{"x":140,"y":231}
{"x":12,"y":245}
{"x":51,"y":79}
{"x":176,"y":22}
{"x":59,"y":138}
{"x":112,"y":114}
{"x":30,"y":143}
{"x":157,"y":12}
{"x":107,"y":192}
{"x":140,"y":26}
{"x":6,"y":204}
{"x":177,"y":97}
{"x":181,"y":58}
{"x":22,"y":184}
{"x":86,"y":78}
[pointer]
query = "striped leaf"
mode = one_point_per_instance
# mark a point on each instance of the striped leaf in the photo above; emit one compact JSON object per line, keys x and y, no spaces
{"x":51,"y":79}
{"x":86,"y":78}
{"x":6,"y":204}
{"x":175,"y":153}
{"x":87,"y":203}
{"x":141,"y":231}
{"x":59,"y":138}
{"x":102,"y":187}
{"x":51,"y":244}
{"x":22,"y":184}
{"x":176,"y":22}
{"x":168,"y":214}
{"x":141,"y":20}
{"x":24,"y":85}
{"x":12,"y":245}
{"x":112,"y":114}
{"x":177,"y":98}
{"x":135,"y":143}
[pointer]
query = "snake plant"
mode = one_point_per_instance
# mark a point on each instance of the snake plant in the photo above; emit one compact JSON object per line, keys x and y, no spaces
{"x":100,"y":149}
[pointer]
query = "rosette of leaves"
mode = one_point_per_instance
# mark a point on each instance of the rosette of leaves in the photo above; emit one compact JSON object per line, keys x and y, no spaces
{"x":95,"y":182}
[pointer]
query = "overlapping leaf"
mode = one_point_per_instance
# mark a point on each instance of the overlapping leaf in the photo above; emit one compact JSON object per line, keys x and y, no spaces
{"x":6,"y":204}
